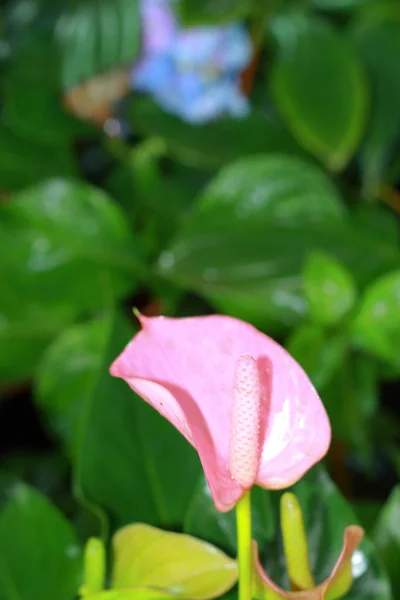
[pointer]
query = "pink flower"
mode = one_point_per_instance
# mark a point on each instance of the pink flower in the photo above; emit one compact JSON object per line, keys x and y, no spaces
{"x":199,"y":374}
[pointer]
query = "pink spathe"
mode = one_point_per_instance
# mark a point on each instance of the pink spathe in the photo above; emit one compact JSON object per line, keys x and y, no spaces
{"x":186,"y":369}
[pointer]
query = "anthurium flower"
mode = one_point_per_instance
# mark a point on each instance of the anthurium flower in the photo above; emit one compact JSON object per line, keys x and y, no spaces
{"x":237,"y":396}
{"x":297,"y":561}
{"x":334,"y":587}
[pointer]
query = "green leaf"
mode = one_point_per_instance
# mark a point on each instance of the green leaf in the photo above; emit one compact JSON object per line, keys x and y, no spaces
{"x":95,"y":35}
{"x":376,"y":327}
{"x":244,"y":243}
{"x":378,"y":43}
{"x":329,"y":289}
{"x":67,"y":247}
{"x":118,"y":441}
{"x":213,"y":144}
{"x":387,"y":538}
{"x":204,"y":521}
{"x":319,"y":88}
{"x":40,"y":558}
{"x":319,"y":353}
{"x":182,"y":564}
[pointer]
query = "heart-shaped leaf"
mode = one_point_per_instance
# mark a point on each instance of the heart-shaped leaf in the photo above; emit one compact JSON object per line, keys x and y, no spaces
{"x":177,"y":563}
{"x":319,"y":88}
{"x":40,"y":557}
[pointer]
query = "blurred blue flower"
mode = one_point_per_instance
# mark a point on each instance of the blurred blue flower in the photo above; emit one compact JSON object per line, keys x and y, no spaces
{"x":192,"y":72}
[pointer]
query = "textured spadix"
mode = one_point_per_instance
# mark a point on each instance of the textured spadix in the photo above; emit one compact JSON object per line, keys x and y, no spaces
{"x":245,"y":424}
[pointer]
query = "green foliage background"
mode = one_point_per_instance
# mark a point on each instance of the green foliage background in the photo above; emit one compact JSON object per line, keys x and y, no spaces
{"x":287,"y":218}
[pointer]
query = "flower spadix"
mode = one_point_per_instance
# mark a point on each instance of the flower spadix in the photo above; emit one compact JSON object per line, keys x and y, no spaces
{"x":237,"y":396}
{"x":245,"y":423}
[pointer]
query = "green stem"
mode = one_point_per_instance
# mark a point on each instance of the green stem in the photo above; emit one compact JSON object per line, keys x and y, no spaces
{"x":243,"y":520}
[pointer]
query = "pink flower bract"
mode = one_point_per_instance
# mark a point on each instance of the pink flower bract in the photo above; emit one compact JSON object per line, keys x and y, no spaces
{"x":185,"y":368}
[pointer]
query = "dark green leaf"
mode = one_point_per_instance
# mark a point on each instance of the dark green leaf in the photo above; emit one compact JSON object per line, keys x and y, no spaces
{"x":244,"y":243}
{"x":329,"y":289}
{"x":319,"y":88}
{"x":95,"y":35}
{"x":387,"y":538}
{"x":378,"y":43}
{"x":129,"y":460}
{"x":40,"y":558}
{"x":204,"y":521}
{"x":319,"y":353}
{"x":214,"y":144}
{"x":66,"y":247}
{"x":377,"y":324}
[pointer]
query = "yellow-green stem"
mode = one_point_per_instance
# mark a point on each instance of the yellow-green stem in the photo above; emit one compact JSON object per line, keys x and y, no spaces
{"x":243,"y":520}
